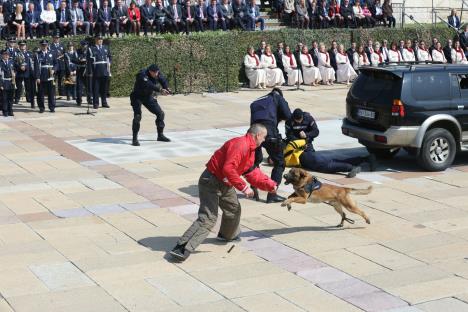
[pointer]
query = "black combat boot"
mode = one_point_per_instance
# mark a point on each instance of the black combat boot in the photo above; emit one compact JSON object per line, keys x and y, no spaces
{"x":274,"y":198}
{"x":161,"y":136}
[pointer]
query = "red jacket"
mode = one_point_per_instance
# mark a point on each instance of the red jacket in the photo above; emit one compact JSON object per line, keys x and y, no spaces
{"x":137,"y":13}
{"x":233,"y":159}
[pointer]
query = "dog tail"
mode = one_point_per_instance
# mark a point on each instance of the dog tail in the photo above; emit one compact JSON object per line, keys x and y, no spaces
{"x":362,"y":191}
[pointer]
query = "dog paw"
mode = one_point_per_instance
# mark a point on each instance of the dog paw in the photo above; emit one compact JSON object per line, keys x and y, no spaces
{"x":284,"y":204}
{"x":289,"y":207}
{"x":368,"y":221}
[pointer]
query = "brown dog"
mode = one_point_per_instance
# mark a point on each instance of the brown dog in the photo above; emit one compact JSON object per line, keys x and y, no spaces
{"x":336,"y":196}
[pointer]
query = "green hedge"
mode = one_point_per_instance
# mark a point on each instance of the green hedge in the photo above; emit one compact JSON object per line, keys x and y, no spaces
{"x":212,"y":61}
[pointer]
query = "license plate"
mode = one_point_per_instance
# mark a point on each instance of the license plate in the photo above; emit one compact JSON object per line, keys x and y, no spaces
{"x":364,"y":113}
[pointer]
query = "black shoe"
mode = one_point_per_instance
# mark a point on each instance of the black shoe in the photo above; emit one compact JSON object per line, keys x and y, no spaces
{"x":180,"y":253}
{"x":11,"y":114}
{"x":274,"y":198}
{"x":16,"y":101}
{"x":105,"y":105}
{"x":135,"y":143}
{"x":372,"y":160}
{"x":5,"y":114}
{"x":68,"y":98}
{"x":78,"y":104}
{"x":221,"y":238}
{"x":41,"y":110}
{"x":52,"y":110}
{"x":163,"y":138}
{"x":95,"y":106}
{"x":353,"y":172}
{"x":256,"y":197}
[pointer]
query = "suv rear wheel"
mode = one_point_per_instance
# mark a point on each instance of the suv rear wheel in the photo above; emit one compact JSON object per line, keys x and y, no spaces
{"x":383,"y":153}
{"x":438,"y":150}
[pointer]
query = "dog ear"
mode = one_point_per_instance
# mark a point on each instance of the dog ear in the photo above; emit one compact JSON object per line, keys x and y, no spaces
{"x":303,"y":173}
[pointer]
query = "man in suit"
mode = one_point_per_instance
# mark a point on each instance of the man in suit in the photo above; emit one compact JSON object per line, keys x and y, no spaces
{"x":160,"y":15}
{"x":32,"y":19}
{"x":228,"y":14}
{"x":463,"y":37}
{"x":120,"y":18}
{"x":63,"y":19}
{"x":348,"y":14}
{"x":98,"y":62}
{"x":188,"y":16}
{"x":147,"y":17}
{"x":215,"y":16}
{"x":454,"y":20}
{"x":104,"y":18}
{"x":369,"y":49}
{"x":279,"y":58}
{"x":448,"y":51}
{"x":324,"y":19}
{"x":332,"y":52}
{"x":201,"y":15}
{"x":175,"y":16}
{"x":254,"y":17}
{"x":350,"y":52}
{"x":91,"y":16}
{"x":314,"y":52}
{"x":77,"y":19}
{"x":240,"y":14}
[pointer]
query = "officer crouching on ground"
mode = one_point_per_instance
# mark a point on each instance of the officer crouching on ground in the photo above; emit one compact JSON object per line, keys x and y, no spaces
{"x":148,"y":80}
{"x":269,"y":111}
{"x":301,"y":126}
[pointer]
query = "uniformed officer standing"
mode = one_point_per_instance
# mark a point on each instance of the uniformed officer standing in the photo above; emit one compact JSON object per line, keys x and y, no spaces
{"x":71,"y":60}
{"x":11,"y":47}
{"x":301,"y":126}
{"x":58,"y":50}
{"x":98,"y":62}
{"x":24,"y":66}
{"x":147,"y":81}
{"x":270,"y":110}
{"x":7,"y":83}
{"x":81,"y":77}
{"x":45,"y":65}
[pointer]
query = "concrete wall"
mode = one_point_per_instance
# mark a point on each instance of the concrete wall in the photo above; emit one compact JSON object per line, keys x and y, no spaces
{"x":421,"y":9}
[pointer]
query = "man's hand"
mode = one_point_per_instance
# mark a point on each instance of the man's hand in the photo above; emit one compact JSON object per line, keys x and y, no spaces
{"x":302,"y":135}
{"x":165,"y":91}
{"x":249,"y":193}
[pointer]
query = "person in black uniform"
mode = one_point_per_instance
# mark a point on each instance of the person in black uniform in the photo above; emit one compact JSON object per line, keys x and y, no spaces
{"x":81,"y":77}
{"x":11,"y":47}
{"x":71,"y":60}
{"x":7,"y":87}
{"x":98,"y":62}
{"x":45,"y":65}
{"x":58,"y":50}
{"x":147,"y":81}
{"x":302,"y":125}
{"x":270,"y":110}
{"x":24,"y":65}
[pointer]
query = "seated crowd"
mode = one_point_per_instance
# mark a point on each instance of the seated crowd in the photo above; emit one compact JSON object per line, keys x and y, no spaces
{"x":38,"y":18}
{"x":317,"y":64}
{"x":335,"y":13}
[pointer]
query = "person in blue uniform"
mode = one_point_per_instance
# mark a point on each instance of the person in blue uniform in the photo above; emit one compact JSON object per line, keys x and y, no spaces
{"x":24,"y":64}
{"x":301,"y":126}
{"x":7,"y":86}
{"x":148,"y":80}
{"x":270,"y":110}
{"x":82,"y":81}
{"x":45,"y":65}
{"x":98,"y":61}
{"x":71,"y":60}
{"x":58,"y":50}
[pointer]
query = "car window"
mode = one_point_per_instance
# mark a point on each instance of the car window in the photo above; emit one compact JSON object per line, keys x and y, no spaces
{"x":376,"y":86}
{"x":463,"y":82}
{"x":431,"y":86}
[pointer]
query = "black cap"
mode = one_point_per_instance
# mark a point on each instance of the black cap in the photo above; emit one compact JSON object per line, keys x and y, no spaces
{"x":277,"y":90}
{"x":56,"y":35}
{"x":84,"y":42}
{"x":44,"y":42}
{"x":98,"y":36}
{"x":22,"y":42}
{"x":5,"y":51}
{"x":297,"y":114}
{"x":12,"y":39}
{"x":153,"y":68}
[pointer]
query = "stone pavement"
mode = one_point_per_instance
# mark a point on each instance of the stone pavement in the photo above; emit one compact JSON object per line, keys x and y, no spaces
{"x":86,"y":219}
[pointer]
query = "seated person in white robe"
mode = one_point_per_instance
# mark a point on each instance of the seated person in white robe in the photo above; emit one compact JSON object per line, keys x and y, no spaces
{"x":394,"y":55}
{"x":458,"y":55}
{"x":310,"y":72}
{"x":253,"y":70}
{"x":377,"y":57}
{"x":326,"y":70}
{"x":408,"y":52}
{"x":438,"y":54}
{"x":423,"y":52}
{"x":274,"y":75}
{"x":360,"y":58}
{"x":290,"y":67}
{"x":345,"y":71}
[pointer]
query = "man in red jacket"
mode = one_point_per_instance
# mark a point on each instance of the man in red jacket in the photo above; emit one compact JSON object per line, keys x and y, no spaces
{"x":217,"y":187}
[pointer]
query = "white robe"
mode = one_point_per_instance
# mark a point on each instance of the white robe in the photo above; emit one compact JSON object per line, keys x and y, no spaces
{"x":255,"y":74}
{"x":394,"y":56}
{"x":408,"y":55}
{"x":274,"y":75}
{"x":344,"y":71}
{"x":360,"y":60}
{"x":294,"y":74}
{"x":458,"y":57}
{"x":424,"y":55}
{"x":326,"y":71}
{"x":310,"y":72}
{"x":377,"y":59}
{"x":438,"y":56}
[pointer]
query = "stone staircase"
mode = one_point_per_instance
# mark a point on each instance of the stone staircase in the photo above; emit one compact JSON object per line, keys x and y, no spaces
{"x":271,"y":18}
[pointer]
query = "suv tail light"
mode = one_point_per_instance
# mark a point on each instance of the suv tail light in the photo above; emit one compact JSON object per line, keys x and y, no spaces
{"x":398,"y":109}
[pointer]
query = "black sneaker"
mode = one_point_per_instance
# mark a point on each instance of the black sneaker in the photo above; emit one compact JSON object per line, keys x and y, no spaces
{"x":221,"y":238}
{"x":353,"y":172}
{"x":180,"y":253}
